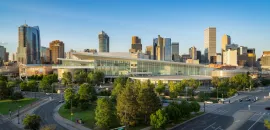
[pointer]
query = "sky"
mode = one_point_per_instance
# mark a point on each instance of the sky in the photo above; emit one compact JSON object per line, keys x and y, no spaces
{"x":78,"y":22}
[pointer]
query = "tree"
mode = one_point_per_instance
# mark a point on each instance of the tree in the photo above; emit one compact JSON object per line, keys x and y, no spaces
{"x":47,"y":81}
{"x":195,"y":106}
{"x":86,"y":94}
{"x":4,"y":91}
{"x":267,"y":124}
{"x":173,"y":111}
{"x":127,"y":106}
{"x":160,"y":87}
{"x":184,"y":108}
{"x":32,"y":85}
{"x":80,"y":76}
{"x":158,"y":119}
{"x":96,"y":77}
{"x":118,"y":86}
{"x":24,"y":87}
{"x":32,"y":122}
{"x":194,"y":84}
{"x":148,"y":101}
{"x":69,"y":97}
{"x":16,"y":96}
{"x":103,"y":113}
{"x":67,"y":78}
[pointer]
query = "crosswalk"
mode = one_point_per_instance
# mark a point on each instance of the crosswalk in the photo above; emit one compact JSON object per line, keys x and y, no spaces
{"x":262,"y":115}
{"x":219,"y":112}
{"x":211,"y":107}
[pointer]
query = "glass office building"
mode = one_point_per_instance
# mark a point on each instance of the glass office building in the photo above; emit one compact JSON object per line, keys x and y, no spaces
{"x":28,"y":51}
{"x":167,"y":49}
{"x":115,"y":64}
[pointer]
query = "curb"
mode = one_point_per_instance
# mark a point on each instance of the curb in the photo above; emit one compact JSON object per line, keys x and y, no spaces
{"x":187,"y":121}
{"x":65,"y":122}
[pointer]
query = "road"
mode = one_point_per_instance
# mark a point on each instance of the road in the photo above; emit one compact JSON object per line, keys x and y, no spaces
{"x":46,"y":113}
{"x":7,"y":125}
{"x":233,"y":116}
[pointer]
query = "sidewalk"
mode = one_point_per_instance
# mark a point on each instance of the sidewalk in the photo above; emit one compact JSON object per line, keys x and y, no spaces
{"x":67,"y":123}
{"x":28,"y":110}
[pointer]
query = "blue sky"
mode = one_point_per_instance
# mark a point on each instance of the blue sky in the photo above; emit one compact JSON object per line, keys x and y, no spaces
{"x":78,"y":23}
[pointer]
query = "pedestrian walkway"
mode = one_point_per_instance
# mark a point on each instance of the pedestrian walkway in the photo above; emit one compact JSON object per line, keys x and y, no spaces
{"x":67,"y":123}
{"x":210,"y":107}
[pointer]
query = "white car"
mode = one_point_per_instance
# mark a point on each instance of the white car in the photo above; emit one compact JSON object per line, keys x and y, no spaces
{"x":48,"y":94}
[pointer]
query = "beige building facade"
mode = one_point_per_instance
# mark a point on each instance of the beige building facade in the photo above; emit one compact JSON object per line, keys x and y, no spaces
{"x":210,"y":42}
{"x":230,"y":57}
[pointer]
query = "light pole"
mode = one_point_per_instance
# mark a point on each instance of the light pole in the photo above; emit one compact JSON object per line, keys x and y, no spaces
{"x":203,"y":101}
{"x":186,"y":93}
{"x":19,"y":115}
{"x":71,"y":114}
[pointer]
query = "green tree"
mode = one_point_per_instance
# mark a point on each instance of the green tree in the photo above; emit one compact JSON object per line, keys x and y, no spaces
{"x":173,"y":111}
{"x":71,"y":96}
{"x":160,"y":88}
{"x":4,"y":91}
{"x":158,"y":119}
{"x":104,"y":113}
{"x":24,"y":87}
{"x":32,"y":122}
{"x":148,"y":101}
{"x":184,"y":108}
{"x":80,"y":76}
{"x":127,"y":106}
{"x":96,"y":77}
{"x":67,"y":78}
{"x":195,"y":106}
{"x":118,"y":86}
{"x":267,"y":124}
{"x":194,"y":84}
{"x":32,"y":85}
{"x":86,"y":94}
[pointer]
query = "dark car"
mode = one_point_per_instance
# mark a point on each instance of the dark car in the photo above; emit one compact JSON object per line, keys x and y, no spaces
{"x":267,"y":108}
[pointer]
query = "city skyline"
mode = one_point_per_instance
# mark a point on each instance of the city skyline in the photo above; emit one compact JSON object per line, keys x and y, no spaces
{"x":85,"y":25}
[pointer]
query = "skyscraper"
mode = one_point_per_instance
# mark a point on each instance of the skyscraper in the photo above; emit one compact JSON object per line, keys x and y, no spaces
{"x":57,"y":51}
{"x":199,"y":56}
{"x":226,"y":40}
{"x":167,"y":49}
{"x":149,"y":51}
{"x":28,"y":51}
{"x":45,"y":55}
{"x":135,"y":44}
{"x":160,"y":48}
{"x":193,"y":53}
{"x":2,"y":55}
{"x":175,"y":51}
{"x":210,"y":42}
{"x":104,"y":42}
{"x":155,"y":42}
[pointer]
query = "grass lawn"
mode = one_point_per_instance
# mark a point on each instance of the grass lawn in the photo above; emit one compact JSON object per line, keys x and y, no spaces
{"x":13,"y":105}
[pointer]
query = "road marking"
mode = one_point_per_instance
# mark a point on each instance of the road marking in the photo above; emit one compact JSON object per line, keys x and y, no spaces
{"x":256,"y":121}
{"x":237,"y":121}
{"x":209,"y":126}
{"x":218,"y":128}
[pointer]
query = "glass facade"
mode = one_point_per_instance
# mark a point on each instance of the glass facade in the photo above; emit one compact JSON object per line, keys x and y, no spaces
{"x":123,"y":66}
{"x":167,"y":49}
{"x":29,"y":42}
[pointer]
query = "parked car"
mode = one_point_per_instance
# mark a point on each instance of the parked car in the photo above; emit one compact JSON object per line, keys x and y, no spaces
{"x":61,"y":101}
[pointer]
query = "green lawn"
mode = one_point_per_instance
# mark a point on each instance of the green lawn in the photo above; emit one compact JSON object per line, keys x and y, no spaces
{"x":88,"y":116}
{"x":5,"y":105}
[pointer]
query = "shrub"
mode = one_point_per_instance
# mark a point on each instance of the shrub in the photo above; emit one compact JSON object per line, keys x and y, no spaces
{"x":158,"y":119}
{"x":17,"y":96}
{"x":195,"y":106}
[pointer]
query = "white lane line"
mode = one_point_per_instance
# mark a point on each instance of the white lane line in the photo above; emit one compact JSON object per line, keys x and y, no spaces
{"x":256,"y":121}
{"x":209,"y":126}
{"x":218,"y":128}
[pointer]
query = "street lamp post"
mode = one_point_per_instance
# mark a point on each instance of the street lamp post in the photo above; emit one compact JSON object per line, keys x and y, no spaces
{"x":19,"y":115}
{"x":204,"y":101}
{"x":71,"y":114}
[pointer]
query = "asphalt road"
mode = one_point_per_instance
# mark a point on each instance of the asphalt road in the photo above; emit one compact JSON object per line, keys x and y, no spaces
{"x":7,"y":125}
{"x":46,"y":114}
{"x":233,"y":116}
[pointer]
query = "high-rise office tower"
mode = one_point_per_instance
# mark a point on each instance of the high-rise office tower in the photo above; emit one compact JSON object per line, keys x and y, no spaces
{"x":251,"y":57}
{"x":2,"y":55}
{"x":7,"y":57}
{"x":210,"y":42}
{"x":45,"y":55}
{"x":193,"y":53}
{"x":57,"y":51}
{"x":160,"y":48}
{"x":226,"y":40}
{"x":230,"y":57}
{"x":155,"y":42}
{"x":167,"y":49}
{"x":13,"y":58}
{"x":175,"y":51}
{"x":265,"y":60}
{"x":199,"y":56}
{"x":28,"y":51}
{"x":136,"y":44}
{"x":104,"y":42}
{"x":149,"y":51}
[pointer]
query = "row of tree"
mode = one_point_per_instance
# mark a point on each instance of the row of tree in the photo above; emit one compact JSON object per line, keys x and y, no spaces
{"x":7,"y":89}
{"x":173,"y":113}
